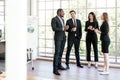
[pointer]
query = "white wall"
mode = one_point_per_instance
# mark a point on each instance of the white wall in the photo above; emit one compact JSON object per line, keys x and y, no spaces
{"x":16,"y":25}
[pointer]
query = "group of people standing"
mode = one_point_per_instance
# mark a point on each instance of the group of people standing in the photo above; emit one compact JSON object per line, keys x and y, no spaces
{"x":74,"y":29}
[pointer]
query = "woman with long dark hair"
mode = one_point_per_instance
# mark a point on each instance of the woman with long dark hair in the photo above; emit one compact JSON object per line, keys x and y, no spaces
{"x":105,"y":42}
{"x":91,"y":38}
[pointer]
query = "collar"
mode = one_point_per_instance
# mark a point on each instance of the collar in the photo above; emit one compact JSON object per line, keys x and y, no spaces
{"x":59,"y":17}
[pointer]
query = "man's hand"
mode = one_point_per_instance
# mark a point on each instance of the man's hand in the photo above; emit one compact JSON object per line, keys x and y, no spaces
{"x":66,"y":27}
{"x":74,"y":29}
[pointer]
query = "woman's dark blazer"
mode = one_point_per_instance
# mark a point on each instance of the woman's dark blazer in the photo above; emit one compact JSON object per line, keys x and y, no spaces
{"x":104,"y":31}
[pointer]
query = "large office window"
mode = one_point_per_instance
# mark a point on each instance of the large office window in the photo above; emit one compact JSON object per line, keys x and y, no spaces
{"x":2,"y":18}
{"x":47,"y":10}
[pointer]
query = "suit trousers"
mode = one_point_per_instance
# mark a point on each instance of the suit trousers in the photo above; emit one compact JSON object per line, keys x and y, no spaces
{"x":76,"y":43}
{"x":59,"y":48}
{"x":94,"y":41}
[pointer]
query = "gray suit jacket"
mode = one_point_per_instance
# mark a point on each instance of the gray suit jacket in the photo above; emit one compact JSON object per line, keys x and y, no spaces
{"x":56,"y":24}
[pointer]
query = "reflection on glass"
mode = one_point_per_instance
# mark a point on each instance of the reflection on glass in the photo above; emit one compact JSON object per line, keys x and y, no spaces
{"x":42,"y":43}
{"x":1,"y":8}
{"x":42,"y":51}
{"x":112,"y":18}
{"x":101,"y":3}
{"x":56,"y":4}
{"x":111,"y":3}
{"x":65,"y":4}
{"x":50,"y":51}
{"x":49,"y":14}
{"x":118,"y":17}
{"x":73,"y":4}
{"x":67,"y":15}
{"x":42,"y":32}
{"x":42,"y":5}
{"x":82,"y":9}
{"x":118,"y":36}
{"x":1,"y":19}
{"x":81,"y":15}
{"x":49,"y":43}
{"x":42,"y":17}
{"x":112,"y":49}
{"x":81,"y":3}
{"x":118,"y":3}
{"x":49,"y":5}
{"x":90,"y":10}
{"x":91,"y":4}
{"x":112,"y":33}
{"x":49,"y":33}
{"x":1,"y":3}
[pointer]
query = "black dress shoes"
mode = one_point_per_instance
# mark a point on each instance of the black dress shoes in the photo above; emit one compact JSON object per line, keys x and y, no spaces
{"x":67,"y":67}
{"x":0,"y":72}
{"x":56,"y":73}
{"x":61,"y":68}
{"x":80,"y":66}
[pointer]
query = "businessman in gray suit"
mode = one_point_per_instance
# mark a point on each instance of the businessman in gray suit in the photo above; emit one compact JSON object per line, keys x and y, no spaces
{"x":59,"y":28}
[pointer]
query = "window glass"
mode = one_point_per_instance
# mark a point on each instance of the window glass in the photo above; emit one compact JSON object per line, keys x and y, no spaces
{"x":101,"y":3}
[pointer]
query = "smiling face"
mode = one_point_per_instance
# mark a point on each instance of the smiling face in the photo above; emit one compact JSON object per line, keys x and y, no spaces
{"x":91,"y":17}
{"x":62,"y":13}
{"x":102,"y":18}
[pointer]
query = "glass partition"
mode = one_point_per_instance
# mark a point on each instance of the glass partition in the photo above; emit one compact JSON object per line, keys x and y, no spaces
{"x":47,"y":10}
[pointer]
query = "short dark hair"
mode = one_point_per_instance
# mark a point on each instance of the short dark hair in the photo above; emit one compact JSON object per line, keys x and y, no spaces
{"x":59,"y":10}
{"x":72,"y":11}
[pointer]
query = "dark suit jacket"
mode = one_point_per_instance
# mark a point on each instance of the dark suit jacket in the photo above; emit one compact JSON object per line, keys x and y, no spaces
{"x":71,"y":34}
{"x":104,"y":32}
{"x":58,"y":29}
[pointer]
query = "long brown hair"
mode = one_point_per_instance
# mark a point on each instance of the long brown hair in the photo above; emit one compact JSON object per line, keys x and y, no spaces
{"x":94,"y":16}
{"x":105,"y":18}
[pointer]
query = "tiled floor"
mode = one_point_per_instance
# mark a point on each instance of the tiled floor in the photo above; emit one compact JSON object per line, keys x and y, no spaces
{"x":43,"y":71}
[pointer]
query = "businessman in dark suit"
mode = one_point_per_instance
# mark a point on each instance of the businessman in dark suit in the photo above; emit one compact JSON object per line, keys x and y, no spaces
{"x":59,"y":28}
{"x":74,"y":37}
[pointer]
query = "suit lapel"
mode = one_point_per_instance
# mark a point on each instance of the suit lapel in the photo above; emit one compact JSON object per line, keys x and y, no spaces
{"x":73,"y":23}
{"x":77,"y":22}
{"x":59,"y":20}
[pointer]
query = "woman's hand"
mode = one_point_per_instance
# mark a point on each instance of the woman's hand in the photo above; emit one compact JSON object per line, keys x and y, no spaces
{"x":97,"y":31}
{"x":90,"y":27}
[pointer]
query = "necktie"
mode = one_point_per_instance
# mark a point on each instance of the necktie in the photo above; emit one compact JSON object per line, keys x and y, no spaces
{"x":75,"y":25}
{"x":74,"y":22}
